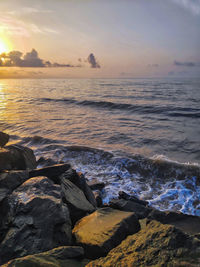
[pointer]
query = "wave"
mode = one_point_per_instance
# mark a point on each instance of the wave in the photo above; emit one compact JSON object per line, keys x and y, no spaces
{"x":165,"y":110}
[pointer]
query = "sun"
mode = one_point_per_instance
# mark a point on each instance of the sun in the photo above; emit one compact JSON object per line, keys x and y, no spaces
{"x":4,"y":46}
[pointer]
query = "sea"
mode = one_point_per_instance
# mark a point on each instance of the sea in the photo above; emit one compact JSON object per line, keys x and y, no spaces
{"x":141,"y":136}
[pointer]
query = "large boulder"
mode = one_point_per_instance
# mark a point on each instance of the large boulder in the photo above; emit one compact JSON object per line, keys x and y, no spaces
{"x":16,"y":157}
{"x":52,"y":172}
{"x":103,"y":230}
{"x":187,"y":223}
{"x":155,"y":245}
{"x":57,"y":257}
{"x":37,"y":219}
{"x":76,"y":201}
{"x":79,"y":180}
{"x":127,"y":205}
{"x":4,"y":138}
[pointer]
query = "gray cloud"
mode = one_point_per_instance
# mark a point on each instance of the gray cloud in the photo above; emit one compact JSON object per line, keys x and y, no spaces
{"x":92,"y":61}
{"x":191,"y":5}
{"x":30,"y":59}
{"x":187,"y":64}
{"x":153,"y":65}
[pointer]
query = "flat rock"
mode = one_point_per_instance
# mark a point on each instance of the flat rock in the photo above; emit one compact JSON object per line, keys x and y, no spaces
{"x":16,"y":157}
{"x":37,"y":219}
{"x":155,"y":245}
{"x":57,"y":257}
{"x":79,"y":180}
{"x":127,"y":205}
{"x":126,"y":196}
{"x":52,"y":172}
{"x":75,"y":199}
{"x":4,"y":138}
{"x":187,"y":223}
{"x":103,"y":230}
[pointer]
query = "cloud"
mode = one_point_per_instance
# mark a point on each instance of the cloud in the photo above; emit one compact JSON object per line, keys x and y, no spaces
{"x":30,"y":59}
{"x":28,"y":10}
{"x":153,"y":65}
{"x":191,"y":5}
{"x":187,"y":64}
{"x":92,"y":61}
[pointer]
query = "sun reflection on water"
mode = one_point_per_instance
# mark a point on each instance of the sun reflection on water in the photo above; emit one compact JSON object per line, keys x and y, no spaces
{"x":2,"y":100}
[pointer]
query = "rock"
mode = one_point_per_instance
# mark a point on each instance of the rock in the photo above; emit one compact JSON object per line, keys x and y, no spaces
{"x":127,"y":205}
{"x":79,"y":180}
{"x":125,"y":196}
{"x":94,"y":184}
{"x":12,"y":179}
{"x":103,"y":230}
{"x":37,"y":220}
{"x":57,"y":257}
{"x":75,"y":199}
{"x":98,"y":198}
{"x":4,"y":138}
{"x":155,"y":245}
{"x":17,"y":157}
{"x":187,"y":223}
{"x":52,"y":172}
{"x":46,"y":162}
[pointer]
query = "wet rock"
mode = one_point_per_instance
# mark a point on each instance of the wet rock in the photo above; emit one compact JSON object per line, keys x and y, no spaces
{"x":17,"y":157}
{"x":4,"y":138}
{"x":57,"y":257}
{"x":76,"y":201}
{"x":127,"y":205}
{"x":52,"y":172}
{"x":79,"y":180}
{"x":94,"y":184}
{"x":155,"y":245}
{"x":37,"y":219}
{"x":187,"y":223}
{"x":98,"y":198}
{"x":103,"y":230}
{"x":46,"y":162}
{"x":125,"y":196}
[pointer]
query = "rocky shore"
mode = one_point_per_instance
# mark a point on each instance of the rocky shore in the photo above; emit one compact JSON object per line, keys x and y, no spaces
{"x":53,"y":216}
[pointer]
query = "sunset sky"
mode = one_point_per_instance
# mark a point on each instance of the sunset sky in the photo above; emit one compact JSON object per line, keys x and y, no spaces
{"x":99,"y":38}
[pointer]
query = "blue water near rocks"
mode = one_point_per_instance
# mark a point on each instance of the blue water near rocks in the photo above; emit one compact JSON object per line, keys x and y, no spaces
{"x":137,"y":135}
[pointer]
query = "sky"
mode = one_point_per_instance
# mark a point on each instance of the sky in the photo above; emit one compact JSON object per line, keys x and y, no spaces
{"x":99,"y":38}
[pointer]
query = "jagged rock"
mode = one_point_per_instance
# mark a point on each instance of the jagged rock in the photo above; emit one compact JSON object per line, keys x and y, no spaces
{"x":4,"y":138}
{"x":94,"y":184}
{"x":57,"y":257}
{"x":98,"y":198}
{"x":79,"y":180}
{"x":125,"y":196}
{"x":103,"y":230}
{"x":46,"y":162}
{"x":75,"y":199}
{"x":187,"y":223}
{"x":17,"y":157}
{"x":37,"y":219}
{"x":52,"y":172}
{"x":127,"y":205}
{"x":155,"y":245}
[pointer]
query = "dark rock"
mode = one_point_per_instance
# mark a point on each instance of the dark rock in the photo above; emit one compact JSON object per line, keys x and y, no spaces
{"x":98,"y":198}
{"x":103,"y":230}
{"x":75,"y":199}
{"x":155,"y":245}
{"x":79,"y":180}
{"x":37,"y":219}
{"x":17,"y":157}
{"x":4,"y":138}
{"x":127,"y":205}
{"x":125,"y":196}
{"x":57,"y":257}
{"x":46,"y":162}
{"x":187,"y":223}
{"x":52,"y":172}
{"x":94,"y":184}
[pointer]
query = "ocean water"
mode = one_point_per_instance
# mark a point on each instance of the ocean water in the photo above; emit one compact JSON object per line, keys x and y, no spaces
{"x":141,"y":136}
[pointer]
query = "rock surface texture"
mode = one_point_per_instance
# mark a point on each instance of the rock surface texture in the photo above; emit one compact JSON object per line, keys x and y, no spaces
{"x":156,"y":245}
{"x":36,"y":218}
{"x":4,"y":138}
{"x":103,"y":230}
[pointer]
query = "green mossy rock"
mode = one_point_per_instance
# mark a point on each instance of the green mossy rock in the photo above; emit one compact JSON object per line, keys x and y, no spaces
{"x":156,"y":245}
{"x":58,"y":257}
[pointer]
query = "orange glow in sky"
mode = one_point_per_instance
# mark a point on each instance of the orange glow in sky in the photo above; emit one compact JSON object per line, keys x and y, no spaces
{"x":4,"y":46}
